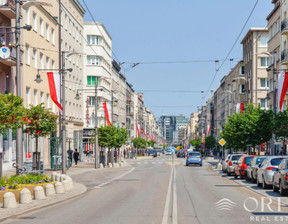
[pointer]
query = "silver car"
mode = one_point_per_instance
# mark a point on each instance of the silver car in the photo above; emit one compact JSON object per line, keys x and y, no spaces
{"x":224,"y":163}
{"x":280,"y":178}
{"x":252,"y":169}
{"x":232,"y":162}
{"x":265,"y":172}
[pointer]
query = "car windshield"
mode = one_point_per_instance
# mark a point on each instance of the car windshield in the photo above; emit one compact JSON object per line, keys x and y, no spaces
{"x":194,"y":154}
{"x":248,"y":160}
{"x":236,"y":157}
{"x":276,"y":162}
{"x":259,"y":160}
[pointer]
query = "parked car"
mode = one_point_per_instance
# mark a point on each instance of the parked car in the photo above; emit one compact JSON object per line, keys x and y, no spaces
{"x":151,"y":152}
{"x":194,"y":158}
{"x":252,"y":169}
{"x":181,"y":154}
{"x":280,"y":178}
{"x":265,"y":172}
{"x":224,"y":163}
{"x":168,"y":152}
{"x":242,"y":164}
{"x":232,"y":163}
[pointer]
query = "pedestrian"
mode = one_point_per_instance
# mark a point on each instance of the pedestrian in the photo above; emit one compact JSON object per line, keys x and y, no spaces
{"x":76,"y":156}
{"x":280,"y":152}
{"x":70,"y":156}
{"x":87,"y":155}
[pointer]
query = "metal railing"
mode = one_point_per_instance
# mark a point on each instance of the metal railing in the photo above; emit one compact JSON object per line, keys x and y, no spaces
{"x":284,"y":55}
{"x":284,"y":25}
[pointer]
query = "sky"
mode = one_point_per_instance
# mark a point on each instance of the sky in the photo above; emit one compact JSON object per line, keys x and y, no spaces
{"x":145,"y":31}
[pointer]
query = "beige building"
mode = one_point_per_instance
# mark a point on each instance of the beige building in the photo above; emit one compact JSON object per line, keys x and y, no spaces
{"x":40,"y":46}
{"x":256,"y":60}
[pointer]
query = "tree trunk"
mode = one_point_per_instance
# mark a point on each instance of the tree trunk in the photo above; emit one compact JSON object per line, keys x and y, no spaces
{"x":37,"y":155}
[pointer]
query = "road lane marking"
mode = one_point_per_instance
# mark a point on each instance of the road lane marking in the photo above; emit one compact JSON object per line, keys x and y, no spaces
{"x":167,"y":203}
{"x":174,"y":214}
{"x":110,"y":181}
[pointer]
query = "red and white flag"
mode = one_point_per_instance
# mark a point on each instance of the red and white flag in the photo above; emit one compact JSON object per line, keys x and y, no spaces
{"x":138,"y":130}
{"x":208,"y":129}
{"x":107,"y":114}
{"x":282,"y":89}
{"x":54,"y":86}
{"x":144,"y":133}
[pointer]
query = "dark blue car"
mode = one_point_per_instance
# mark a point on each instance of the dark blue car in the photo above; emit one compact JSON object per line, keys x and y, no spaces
{"x":194,"y":158}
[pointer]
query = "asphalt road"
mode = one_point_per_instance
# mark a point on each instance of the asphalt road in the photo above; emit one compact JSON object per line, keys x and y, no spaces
{"x":160,"y":191}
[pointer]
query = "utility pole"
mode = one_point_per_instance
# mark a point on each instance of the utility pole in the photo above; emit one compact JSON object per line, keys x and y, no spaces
{"x":63,"y":72}
{"x":96,"y":126}
{"x":19,"y":145}
{"x":274,"y":103}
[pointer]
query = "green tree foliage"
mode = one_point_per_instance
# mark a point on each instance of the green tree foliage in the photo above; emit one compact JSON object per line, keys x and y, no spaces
{"x":11,"y":112}
{"x":253,"y":127}
{"x":112,"y":137}
{"x":280,"y":125}
{"x":139,"y":143}
{"x":210,"y":142}
{"x":151,"y":143}
{"x":196,"y":143}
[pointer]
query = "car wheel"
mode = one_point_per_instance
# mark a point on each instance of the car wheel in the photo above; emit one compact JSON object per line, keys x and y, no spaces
{"x":264,"y":185}
{"x":246,"y":177}
{"x":283,"y":192}
{"x":200,"y":164}
{"x":235,"y":176}
{"x":258,"y":183}
{"x":228,"y":173}
{"x":186,"y":164}
{"x":241,"y":176}
{"x":275,"y":188}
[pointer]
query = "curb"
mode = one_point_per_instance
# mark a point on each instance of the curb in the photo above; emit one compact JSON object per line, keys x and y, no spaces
{"x":82,"y":190}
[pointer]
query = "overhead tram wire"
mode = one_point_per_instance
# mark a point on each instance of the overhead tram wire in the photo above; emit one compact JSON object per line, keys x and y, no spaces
{"x":221,"y":65}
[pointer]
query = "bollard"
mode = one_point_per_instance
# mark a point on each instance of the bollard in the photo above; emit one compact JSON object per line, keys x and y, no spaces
{"x":101,"y":165}
{"x":115,"y":165}
{"x":49,"y":190}
{"x":59,"y":188}
{"x":39,"y":193}
{"x":9,"y":200}
{"x":58,"y":177}
{"x":54,"y":175}
{"x":66,"y":185}
{"x":120,"y":164}
{"x":110,"y":165}
{"x":25,"y":196}
{"x":63,"y":177}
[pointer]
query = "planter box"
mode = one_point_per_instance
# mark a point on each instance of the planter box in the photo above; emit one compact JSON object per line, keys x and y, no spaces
{"x":15,"y":192}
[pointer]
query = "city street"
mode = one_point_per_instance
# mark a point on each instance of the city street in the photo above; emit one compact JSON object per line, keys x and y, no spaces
{"x":157,"y":191}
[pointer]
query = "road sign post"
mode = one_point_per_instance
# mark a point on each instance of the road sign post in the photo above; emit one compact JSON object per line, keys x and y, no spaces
{"x":222,"y":142}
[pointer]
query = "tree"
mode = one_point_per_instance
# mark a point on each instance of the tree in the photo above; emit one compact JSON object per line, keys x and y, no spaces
{"x":210,"y":142}
{"x":151,"y":143}
{"x":139,"y":143}
{"x":280,"y":126}
{"x":11,"y":112}
{"x":196,"y":143}
{"x":39,"y":122}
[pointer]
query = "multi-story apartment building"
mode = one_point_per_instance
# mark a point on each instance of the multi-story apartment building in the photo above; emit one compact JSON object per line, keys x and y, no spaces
{"x":256,"y":60}
{"x":40,"y":56}
{"x":97,"y":71}
{"x":130,"y":110}
{"x":7,"y":77}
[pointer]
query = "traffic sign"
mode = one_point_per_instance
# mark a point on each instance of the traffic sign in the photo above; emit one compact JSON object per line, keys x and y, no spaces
{"x":4,"y":52}
{"x":222,"y":142}
{"x":203,"y":135}
{"x":203,"y":146}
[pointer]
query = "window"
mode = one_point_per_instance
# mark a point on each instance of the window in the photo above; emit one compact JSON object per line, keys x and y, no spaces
{"x":41,"y":61}
{"x":263,"y":41}
{"x":28,"y":97}
{"x":28,"y":16}
{"x":27,"y":55}
{"x":242,"y":88}
{"x":47,"y":32}
{"x":264,"y":61}
{"x":47,"y":62}
{"x":41,"y":28}
{"x":53,"y":36}
{"x":35,"y":22}
{"x":94,"y":40}
{"x":242,"y":70}
{"x":91,"y":80}
{"x":91,"y":100}
{"x":53,"y":64}
{"x":48,"y":100}
{"x":35,"y":97}
{"x":35,"y":63}
{"x":264,"y":83}
{"x":263,"y":103}
{"x":93,"y":60}
{"x":41,"y":97}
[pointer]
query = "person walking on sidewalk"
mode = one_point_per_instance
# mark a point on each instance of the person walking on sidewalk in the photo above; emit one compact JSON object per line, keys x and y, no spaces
{"x":76,"y":156}
{"x":70,"y":156}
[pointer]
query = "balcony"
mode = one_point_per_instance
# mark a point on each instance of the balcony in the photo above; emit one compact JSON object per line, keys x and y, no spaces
{"x":8,"y":9}
{"x":284,"y":57}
